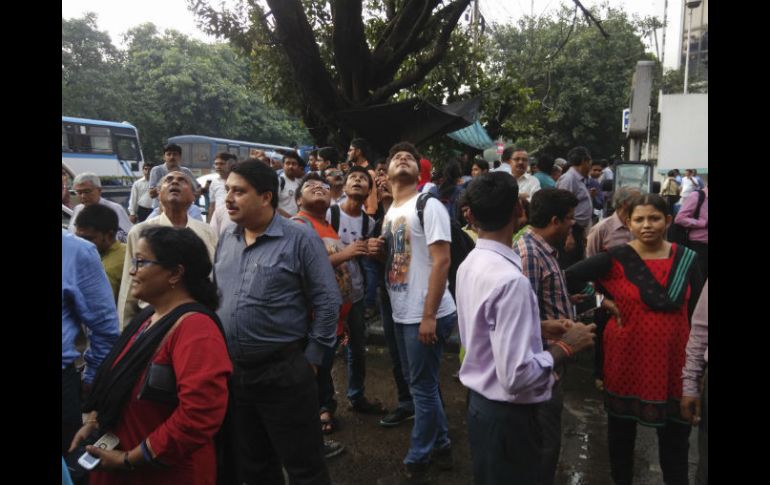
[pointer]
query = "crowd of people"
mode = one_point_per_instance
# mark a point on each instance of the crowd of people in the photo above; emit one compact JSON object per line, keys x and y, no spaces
{"x":212,"y":338}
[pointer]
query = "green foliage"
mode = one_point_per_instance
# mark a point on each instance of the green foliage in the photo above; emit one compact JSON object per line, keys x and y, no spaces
{"x":556,"y":82}
{"x":167,"y":84}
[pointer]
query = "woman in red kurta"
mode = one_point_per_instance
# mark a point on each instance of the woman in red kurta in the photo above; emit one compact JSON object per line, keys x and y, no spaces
{"x":652,"y":283}
{"x":166,"y":432}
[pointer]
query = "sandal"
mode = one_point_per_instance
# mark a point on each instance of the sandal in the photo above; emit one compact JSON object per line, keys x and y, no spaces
{"x":328,"y":425}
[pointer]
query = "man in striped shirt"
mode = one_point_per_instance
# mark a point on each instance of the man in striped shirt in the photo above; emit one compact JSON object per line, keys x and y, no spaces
{"x":551,"y":217}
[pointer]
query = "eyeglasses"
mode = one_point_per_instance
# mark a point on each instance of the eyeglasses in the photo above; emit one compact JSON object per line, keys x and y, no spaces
{"x":315,"y":186}
{"x":141,"y":263}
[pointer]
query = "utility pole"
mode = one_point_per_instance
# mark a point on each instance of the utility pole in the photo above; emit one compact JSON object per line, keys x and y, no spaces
{"x":691,"y":4}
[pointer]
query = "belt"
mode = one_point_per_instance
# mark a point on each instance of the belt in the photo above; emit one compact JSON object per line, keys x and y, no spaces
{"x":273,"y":356}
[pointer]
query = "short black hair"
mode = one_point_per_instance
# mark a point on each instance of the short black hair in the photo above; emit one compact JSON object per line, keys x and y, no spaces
{"x":482,"y":164}
{"x":549,"y":203}
{"x":545,"y":162}
{"x":330,"y":154}
{"x":578,"y":155}
{"x":226,"y":156}
{"x":180,"y":246}
{"x":172,"y":147}
{"x":359,"y":169}
{"x":361,"y":144}
{"x":260,"y":176}
{"x":296,"y":156}
{"x":404,"y":146}
{"x":492,"y":198}
{"x":308,"y":176}
{"x":98,"y":217}
{"x":508,"y":153}
{"x":314,"y":152}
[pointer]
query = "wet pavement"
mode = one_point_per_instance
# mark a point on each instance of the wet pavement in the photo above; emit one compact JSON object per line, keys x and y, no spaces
{"x":373,"y":452}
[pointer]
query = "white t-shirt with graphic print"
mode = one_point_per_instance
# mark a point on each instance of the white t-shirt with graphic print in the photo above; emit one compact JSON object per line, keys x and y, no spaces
{"x":350,"y":230}
{"x":408,"y":264}
{"x":286,"y":200}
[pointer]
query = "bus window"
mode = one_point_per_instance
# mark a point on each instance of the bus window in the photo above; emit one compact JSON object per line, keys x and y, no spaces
{"x":243,"y":153}
{"x":221,"y":147}
{"x":127,"y":149}
{"x":232,"y":149}
{"x":100,"y":140}
{"x":201,"y":155}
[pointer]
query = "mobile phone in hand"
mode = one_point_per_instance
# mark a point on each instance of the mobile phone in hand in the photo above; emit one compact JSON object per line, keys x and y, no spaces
{"x":108,"y":441}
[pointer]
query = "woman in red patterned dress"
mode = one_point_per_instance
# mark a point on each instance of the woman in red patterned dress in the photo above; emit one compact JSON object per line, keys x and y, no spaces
{"x":654,"y":285}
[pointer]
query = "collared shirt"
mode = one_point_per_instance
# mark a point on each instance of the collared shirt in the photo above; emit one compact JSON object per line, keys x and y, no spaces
{"x":528,"y":184}
{"x":112,"y":261}
{"x":575,"y":183}
{"x":140,"y":196}
{"x":499,"y":324}
{"x":608,"y":233}
{"x":697,"y":346}
{"x":598,"y":199}
{"x":86,"y":299}
{"x":539,"y":264}
{"x":128,"y":306}
{"x":699,"y":231}
{"x":546,"y":181}
{"x":124,"y":225}
{"x":194,"y":211}
{"x":606,"y":174}
{"x":280,"y":289}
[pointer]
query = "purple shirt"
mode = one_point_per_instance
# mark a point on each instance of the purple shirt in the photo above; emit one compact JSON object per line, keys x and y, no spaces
{"x":697,"y":345}
{"x":499,"y":324}
{"x":575,"y":183}
{"x":699,"y":231}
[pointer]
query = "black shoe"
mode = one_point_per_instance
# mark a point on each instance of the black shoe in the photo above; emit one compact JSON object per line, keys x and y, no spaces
{"x":332,"y":448}
{"x":442,"y":458}
{"x":366,"y":406}
{"x":396,"y":417}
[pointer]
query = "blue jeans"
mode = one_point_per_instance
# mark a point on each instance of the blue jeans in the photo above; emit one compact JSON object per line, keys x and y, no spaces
{"x":356,"y":352}
{"x":371,"y":275}
{"x":430,"y":429}
{"x":389,"y":331}
{"x":324,"y":380}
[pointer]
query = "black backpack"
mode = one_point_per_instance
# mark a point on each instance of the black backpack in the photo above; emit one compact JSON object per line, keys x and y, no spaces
{"x":335,"y":210}
{"x":461,"y":244}
{"x":679,"y":234}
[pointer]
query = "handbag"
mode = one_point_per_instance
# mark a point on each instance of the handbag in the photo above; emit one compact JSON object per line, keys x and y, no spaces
{"x":160,"y":381}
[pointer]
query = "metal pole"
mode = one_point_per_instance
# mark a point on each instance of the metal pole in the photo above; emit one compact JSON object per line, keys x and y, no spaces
{"x":687,"y":58}
{"x":649,"y":118}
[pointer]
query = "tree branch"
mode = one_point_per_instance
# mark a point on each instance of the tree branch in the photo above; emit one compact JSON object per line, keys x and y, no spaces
{"x":424,"y":65}
{"x":351,"y":53}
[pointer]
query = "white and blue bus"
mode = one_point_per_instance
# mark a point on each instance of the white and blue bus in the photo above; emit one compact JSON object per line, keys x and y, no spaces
{"x":106,"y":148}
{"x":198,"y":151}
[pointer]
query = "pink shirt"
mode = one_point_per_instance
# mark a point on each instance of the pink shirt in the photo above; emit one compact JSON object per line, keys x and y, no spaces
{"x":499,"y":324}
{"x":699,"y":231}
{"x":697,"y":346}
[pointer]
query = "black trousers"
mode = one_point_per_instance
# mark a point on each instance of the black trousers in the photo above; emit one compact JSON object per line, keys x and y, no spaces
{"x":275,"y":423}
{"x":549,"y":420}
{"x":673,"y":448}
{"x":142,"y":213}
{"x":702,"y":477}
{"x":505,"y":441}
{"x":71,"y":419}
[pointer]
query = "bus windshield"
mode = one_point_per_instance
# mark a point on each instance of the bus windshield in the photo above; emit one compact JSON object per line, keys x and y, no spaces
{"x":106,"y":148}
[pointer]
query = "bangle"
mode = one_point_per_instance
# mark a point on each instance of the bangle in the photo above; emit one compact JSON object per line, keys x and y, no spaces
{"x":128,"y":464}
{"x":145,"y":452}
{"x":566,"y":348}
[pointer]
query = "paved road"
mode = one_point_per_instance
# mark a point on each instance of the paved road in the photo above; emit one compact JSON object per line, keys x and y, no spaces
{"x":373,"y":452}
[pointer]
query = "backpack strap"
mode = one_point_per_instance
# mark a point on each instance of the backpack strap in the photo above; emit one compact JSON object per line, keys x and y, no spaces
{"x":282,"y":182}
{"x":335,"y":209}
{"x":701,"y":198}
{"x":365,"y":225}
{"x":422,"y":199}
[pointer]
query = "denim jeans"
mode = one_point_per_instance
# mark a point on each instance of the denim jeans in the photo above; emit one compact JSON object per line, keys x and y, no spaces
{"x":389,"y":331}
{"x":430,"y":429}
{"x":372,"y":278}
{"x":356,"y":352}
